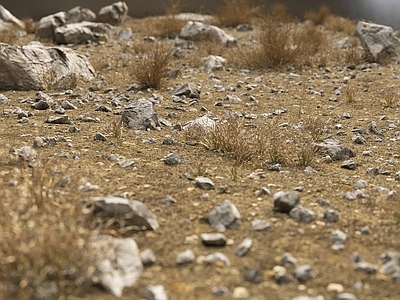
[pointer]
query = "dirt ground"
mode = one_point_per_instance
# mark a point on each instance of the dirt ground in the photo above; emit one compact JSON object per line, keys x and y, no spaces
{"x":153,"y":180}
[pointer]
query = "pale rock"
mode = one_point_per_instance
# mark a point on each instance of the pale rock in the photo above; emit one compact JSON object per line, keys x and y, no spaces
{"x":47,"y":25}
{"x":113,"y":14}
{"x":213,"y":63}
{"x":80,"y":14}
{"x":82,"y":32}
{"x":8,"y":17}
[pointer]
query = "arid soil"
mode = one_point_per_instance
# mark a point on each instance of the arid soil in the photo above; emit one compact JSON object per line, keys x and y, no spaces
{"x":366,"y":100}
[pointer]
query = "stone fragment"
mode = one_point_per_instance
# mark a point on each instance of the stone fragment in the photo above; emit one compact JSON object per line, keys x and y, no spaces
{"x":79,"y":14}
{"x":346,"y":296}
{"x":29,"y":155}
{"x":82,"y":33}
{"x":284,"y":202}
{"x":148,"y":257}
{"x":338,"y":237}
{"x":304,"y":273}
{"x":359,"y":139}
{"x":218,"y":257}
{"x":220,"y":291}
{"x":224,"y":216}
{"x":47,"y":25}
{"x":323,"y":202}
{"x":173,"y":159}
{"x":240,"y":292}
{"x":367,"y":267}
{"x":204,"y":183}
{"x":58,"y":120}
{"x":36,"y":67}
{"x":253,"y":276}
{"x":348,"y":164}
{"x":260,"y":225}
{"x":331,"y":215}
{"x":100,"y":137}
{"x":117,"y":263}
{"x":213,"y":239}
{"x":308,"y":298}
{"x":302,"y":214}
{"x":335,"y":149}
{"x":189,"y":90}
{"x":68,"y":105}
{"x":8,"y":17}
{"x":155,"y":292}
{"x":185,"y":257}
{"x":212,"y":63}
{"x":244,"y":247}
{"x":134,"y":213}
{"x":140,"y":115}
{"x":113,"y":14}
{"x":335,"y":287}
{"x":199,"y":31}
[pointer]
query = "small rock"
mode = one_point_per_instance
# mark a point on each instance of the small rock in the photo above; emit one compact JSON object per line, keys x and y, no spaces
{"x":224,"y":216}
{"x":218,"y":257}
{"x":323,"y":202}
{"x":338,"y":237}
{"x":302,"y":214}
{"x":189,"y":90}
{"x":173,"y":159}
{"x":367,"y":267}
{"x":100,"y":137}
{"x":288,"y":259}
{"x":185,"y":257}
{"x":346,"y":296}
{"x":244,"y":247}
{"x":169,"y":200}
{"x":58,"y":120}
{"x":263,"y":191}
{"x":335,"y":287}
{"x":240,"y":293}
{"x":348,"y":164}
{"x":213,"y":239}
{"x":148,"y":257}
{"x":260,"y":225}
{"x":304,"y":273}
{"x":220,"y":291}
{"x":155,"y":292}
{"x":284,"y":202}
{"x":204,"y":183}
{"x":331,"y":215}
{"x":253,"y":276}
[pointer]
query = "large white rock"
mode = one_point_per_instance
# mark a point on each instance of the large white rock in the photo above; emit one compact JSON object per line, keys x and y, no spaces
{"x":80,"y":14}
{"x":199,"y":31}
{"x":46,"y":25}
{"x":117,"y":262}
{"x":8,"y":17}
{"x":379,"y":40}
{"x":36,"y":67}
{"x":113,"y":14}
{"x":82,"y":32}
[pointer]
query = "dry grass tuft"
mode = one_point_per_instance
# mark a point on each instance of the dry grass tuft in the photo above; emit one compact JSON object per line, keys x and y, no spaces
{"x":43,"y":238}
{"x":318,"y":17}
{"x":7,"y":35}
{"x":340,"y":24}
{"x":150,"y":70}
{"x":236,"y":12}
{"x":30,"y":25}
{"x":315,"y":127}
{"x":306,"y":154}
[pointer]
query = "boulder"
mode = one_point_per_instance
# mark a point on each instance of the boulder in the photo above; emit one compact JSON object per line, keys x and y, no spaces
{"x":113,"y":14}
{"x":140,"y":115}
{"x":36,"y":67}
{"x":8,"y":17}
{"x":335,"y":149}
{"x":379,"y":40}
{"x":199,"y":31}
{"x":79,"y":14}
{"x":133,"y":212}
{"x":46,"y":25}
{"x":117,"y":263}
{"x":82,"y":32}
{"x":213,"y":63}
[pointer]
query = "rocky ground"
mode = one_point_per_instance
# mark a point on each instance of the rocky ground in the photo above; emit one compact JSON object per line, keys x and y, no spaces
{"x":356,"y":104}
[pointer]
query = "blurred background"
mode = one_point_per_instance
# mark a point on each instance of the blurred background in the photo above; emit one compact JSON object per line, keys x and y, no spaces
{"x":385,"y":12}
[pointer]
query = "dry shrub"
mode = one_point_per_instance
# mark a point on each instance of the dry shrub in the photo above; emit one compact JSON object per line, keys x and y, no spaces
{"x":306,"y":154}
{"x":340,"y":24}
{"x":279,"y":14}
{"x":7,"y":35}
{"x":150,"y":70}
{"x":236,"y":12}
{"x":318,"y":17}
{"x":314,"y":127}
{"x":44,"y":240}
{"x":30,"y":25}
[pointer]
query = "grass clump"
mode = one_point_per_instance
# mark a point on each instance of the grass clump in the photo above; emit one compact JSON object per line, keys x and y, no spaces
{"x":318,"y":17}
{"x":235,"y":12}
{"x":150,"y":70}
{"x":43,"y":239}
{"x":306,"y":154}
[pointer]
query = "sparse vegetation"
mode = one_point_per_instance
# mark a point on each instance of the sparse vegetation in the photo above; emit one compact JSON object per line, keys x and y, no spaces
{"x":320,"y":16}
{"x":236,"y":12}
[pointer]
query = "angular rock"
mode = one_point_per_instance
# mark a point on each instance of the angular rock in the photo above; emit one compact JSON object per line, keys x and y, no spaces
{"x":148,"y":257}
{"x":213,"y":239}
{"x":8,"y":17}
{"x":213,"y":63}
{"x":288,"y":259}
{"x":100,"y":137}
{"x":199,"y":31}
{"x":140,"y":115}
{"x":133,"y":212}
{"x":244,"y":247}
{"x":58,"y":120}
{"x":346,"y":296}
{"x":367,"y":267}
{"x":189,"y":90}
{"x":378,"y":40}
{"x":79,"y":14}
{"x":29,"y":155}
{"x":155,"y":292}
{"x":173,"y":159}
{"x":47,"y":25}
{"x":335,"y":149}
{"x":220,"y":291}
{"x":284,"y":202}
{"x":253,"y":276}
{"x":302,"y":214}
{"x":218,"y":257}
{"x":204,"y":183}
{"x":331,"y":215}
{"x":308,"y":298}
{"x":82,"y":33}
{"x":185,"y":257}
{"x":304,"y":273}
{"x":117,"y":262}
{"x":224,"y":216}
{"x":338,"y":237}
{"x":349,"y":165}
{"x":113,"y":14}
{"x":260,"y":225}
{"x":36,"y":67}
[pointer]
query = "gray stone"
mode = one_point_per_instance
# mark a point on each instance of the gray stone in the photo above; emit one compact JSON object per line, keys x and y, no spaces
{"x":134,"y":213}
{"x":204,"y":183}
{"x":117,"y":263}
{"x":302,"y":214}
{"x":8,"y":17}
{"x":185,"y":257}
{"x":348,"y":164}
{"x":288,"y":259}
{"x":4,"y":100}
{"x":100,"y":137}
{"x":397,"y":176}
{"x":47,"y":25}
{"x":304,"y":273}
{"x":140,"y":115}
{"x":36,"y":67}
{"x":58,"y":120}
{"x":148,"y":257}
{"x":173,"y":159}
{"x":220,"y":291}
{"x":309,"y":298}
{"x":284,"y":202}
{"x":346,"y":296}
{"x":338,"y":237}
{"x":213,"y":239}
{"x":82,"y":33}
{"x":244,"y":247}
{"x":263,"y":191}
{"x":155,"y":292}
{"x":378,"y":40}
{"x":254,"y":276}
{"x":203,"y":123}
{"x":323,"y":202}
{"x":331,"y":215}
{"x":343,"y":43}
{"x":79,"y":14}
{"x":367,"y":267}
{"x":260,"y":225}
{"x":218,"y":257}
{"x":282,"y":277}
{"x":28,"y":155}
{"x":199,"y":31}
{"x":359,"y":139}
{"x":189,"y":90}
{"x":67,"y":105}
{"x":113,"y":14}
{"x":169,"y":200}
{"x":335,"y":149}
{"x":224,"y":216}
{"x":212,"y":63}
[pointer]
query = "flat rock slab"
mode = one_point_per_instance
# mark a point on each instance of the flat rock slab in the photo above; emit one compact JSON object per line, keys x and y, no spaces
{"x":36,"y":67}
{"x":134,"y":212}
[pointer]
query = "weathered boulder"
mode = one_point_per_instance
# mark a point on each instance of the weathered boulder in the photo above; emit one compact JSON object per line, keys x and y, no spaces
{"x":113,"y":14}
{"x":117,"y":263}
{"x":379,"y":40}
{"x":46,"y":25}
{"x":199,"y":31}
{"x":36,"y":67}
{"x":133,"y":212}
{"x":140,"y":115}
{"x":80,"y":14}
{"x":335,"y":149}
{"x":8,"y":17}
{"x":82,"y":32}
{"x":213,"y":63}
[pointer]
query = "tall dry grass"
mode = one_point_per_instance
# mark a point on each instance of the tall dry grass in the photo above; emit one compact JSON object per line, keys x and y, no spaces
{"x":234,"y":12}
